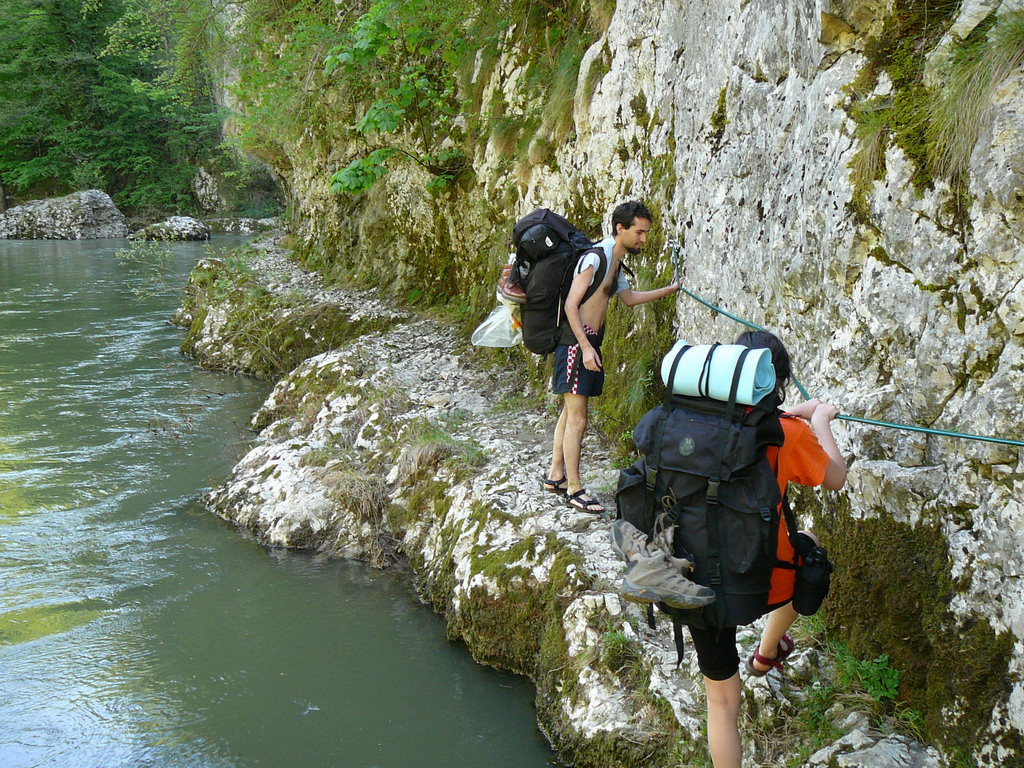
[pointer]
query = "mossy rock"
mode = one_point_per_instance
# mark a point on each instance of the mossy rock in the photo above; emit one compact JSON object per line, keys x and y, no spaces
{"x":891,"y":594}
{"x":264,"y":334}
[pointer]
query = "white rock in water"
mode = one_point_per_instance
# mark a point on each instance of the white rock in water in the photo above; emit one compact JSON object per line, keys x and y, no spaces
{"x":174,"y":228}
{"x":243,"y":225}
{"x":79,"y":216}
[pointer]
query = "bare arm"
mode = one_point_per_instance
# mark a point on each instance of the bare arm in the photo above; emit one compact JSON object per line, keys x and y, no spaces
{"x":578,"y":289}
{"x":821,"y":421}
{"x":803,"y":410}
{"x":632,"y":298}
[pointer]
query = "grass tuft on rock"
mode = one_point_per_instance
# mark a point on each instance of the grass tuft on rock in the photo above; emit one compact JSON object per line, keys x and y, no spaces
{"x":979,"y":65}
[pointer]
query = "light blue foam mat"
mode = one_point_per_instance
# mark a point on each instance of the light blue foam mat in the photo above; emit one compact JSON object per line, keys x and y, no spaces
{"x":695,"y":378}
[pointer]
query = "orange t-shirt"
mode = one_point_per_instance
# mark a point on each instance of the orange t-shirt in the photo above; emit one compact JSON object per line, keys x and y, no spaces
{"x":802,"y":460}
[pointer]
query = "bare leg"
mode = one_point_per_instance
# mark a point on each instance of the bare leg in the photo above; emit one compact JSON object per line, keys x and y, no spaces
{"x":575,"y":413}
{"x":723,"y":721}
{"x":779,"y":621}
{"x":557,"y":471}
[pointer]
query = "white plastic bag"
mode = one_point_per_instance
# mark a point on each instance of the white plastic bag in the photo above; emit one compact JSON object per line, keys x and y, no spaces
{"x":500,"y":329}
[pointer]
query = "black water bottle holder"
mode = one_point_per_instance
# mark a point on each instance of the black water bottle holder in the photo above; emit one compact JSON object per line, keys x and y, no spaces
{"x":813,"y":579}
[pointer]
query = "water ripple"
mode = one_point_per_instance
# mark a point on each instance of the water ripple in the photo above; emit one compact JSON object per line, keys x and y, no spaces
{"x":136,"y":629}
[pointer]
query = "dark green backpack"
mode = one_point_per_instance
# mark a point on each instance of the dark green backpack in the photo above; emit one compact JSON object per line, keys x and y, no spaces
{"x":704,"y":465}
{"x":548,"y":247}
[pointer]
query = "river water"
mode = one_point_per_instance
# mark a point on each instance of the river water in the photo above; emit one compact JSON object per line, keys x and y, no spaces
{"x":136,"y":629}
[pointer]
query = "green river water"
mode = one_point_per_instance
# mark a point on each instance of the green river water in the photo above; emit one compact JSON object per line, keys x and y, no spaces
{"x":136,"y":629}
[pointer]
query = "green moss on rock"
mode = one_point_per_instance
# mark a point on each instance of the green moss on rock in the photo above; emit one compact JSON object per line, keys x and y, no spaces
{"x":719,"y":120}
{"x":264,"y":334}
{"x":508,"y":627}
{"x":891,"y":595}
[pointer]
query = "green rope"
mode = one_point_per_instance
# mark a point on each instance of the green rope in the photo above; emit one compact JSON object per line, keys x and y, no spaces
{"x":677,"y":265}
{"x":930,"y":431}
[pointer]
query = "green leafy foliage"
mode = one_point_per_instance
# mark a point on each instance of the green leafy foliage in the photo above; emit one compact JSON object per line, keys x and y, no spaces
{"x":402,"y":55}
{"x":412,"y":71}
{"x":876,"y":676}
{"x":362,"y":173}
{"x":277,"y":49}
{"x":91,"y":96}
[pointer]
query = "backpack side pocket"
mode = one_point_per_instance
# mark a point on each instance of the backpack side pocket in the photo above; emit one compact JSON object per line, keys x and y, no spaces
{"x":632,"y":501}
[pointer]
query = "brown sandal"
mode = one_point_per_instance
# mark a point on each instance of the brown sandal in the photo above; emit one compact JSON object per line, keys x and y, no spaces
{"x":555,"y":486}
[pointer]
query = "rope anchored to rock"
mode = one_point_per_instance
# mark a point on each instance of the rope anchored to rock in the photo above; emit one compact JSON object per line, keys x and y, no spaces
{"x":675,"y":250}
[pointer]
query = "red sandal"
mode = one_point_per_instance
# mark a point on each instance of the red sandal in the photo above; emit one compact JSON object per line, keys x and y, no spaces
{"x":786,"y":646}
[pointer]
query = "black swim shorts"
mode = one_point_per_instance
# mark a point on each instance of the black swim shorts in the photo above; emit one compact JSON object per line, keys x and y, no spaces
{"x":570,"y":375}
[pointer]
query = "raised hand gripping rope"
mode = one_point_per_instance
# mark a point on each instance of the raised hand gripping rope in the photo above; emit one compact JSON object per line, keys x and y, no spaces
{"x":675,"y":251}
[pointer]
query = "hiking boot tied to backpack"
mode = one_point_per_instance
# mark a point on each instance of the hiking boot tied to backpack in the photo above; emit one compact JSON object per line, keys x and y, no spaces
{"x":509,"y":288}
{"x":654,"y":575}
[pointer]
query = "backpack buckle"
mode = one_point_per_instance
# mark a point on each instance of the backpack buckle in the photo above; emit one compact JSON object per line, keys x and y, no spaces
{"x":713,"y":491}
{"x":715,"y":574}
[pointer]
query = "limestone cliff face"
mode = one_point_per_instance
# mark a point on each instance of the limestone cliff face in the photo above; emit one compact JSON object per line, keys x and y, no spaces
{"x":732,"y":120}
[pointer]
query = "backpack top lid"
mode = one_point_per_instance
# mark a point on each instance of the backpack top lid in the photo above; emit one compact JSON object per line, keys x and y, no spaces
{"x":707,"y":370}
{"x":538,"y":242}
{"x":557,"y":223}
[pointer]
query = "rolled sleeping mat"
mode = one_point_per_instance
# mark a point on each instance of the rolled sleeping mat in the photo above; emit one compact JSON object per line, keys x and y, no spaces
{"x":706,"y":370}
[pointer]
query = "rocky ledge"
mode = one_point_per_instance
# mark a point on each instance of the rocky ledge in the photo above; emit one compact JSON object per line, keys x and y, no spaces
{"x":399,"y":446}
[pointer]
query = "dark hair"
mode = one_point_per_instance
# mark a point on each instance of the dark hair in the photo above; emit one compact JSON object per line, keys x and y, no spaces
{"x":625,"y":213}
{"x":780,"y":357}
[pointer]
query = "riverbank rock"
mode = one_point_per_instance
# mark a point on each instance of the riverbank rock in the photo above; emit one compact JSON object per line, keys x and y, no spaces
{"x":174,"y":228}
{"x":79,"y":216}
{"x":401,"y":445}
{"x":265,"y":322}
{"x":242,"y":225}
{"x":206,"y":188}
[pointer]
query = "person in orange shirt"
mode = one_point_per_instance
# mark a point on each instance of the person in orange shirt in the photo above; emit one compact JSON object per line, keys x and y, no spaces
{"x":808,"y":456}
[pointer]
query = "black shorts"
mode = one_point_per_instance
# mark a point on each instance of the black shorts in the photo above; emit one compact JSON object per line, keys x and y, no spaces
{"x":717,"y":656}
{"x":571,"y":376}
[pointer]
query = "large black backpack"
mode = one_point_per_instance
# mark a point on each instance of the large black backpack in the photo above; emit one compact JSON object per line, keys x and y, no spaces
{"x":547,"y":249}
{"x":704,"y":465}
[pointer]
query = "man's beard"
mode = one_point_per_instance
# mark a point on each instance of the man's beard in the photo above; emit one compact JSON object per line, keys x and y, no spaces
{"x":634,"y":250}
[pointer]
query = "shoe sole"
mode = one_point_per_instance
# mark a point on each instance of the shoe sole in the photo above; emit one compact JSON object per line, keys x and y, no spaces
{"x":648,"y":595}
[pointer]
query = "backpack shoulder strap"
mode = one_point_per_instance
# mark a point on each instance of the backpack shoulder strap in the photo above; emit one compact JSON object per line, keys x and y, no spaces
{"x":599,"y":273}
{"x":711,"y":501}
{"x":564,"y":332}
{"x":677,"y":636}
{"x":787,"y":511}
{"x":653,"y":463}
{"x":570,"y":274}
